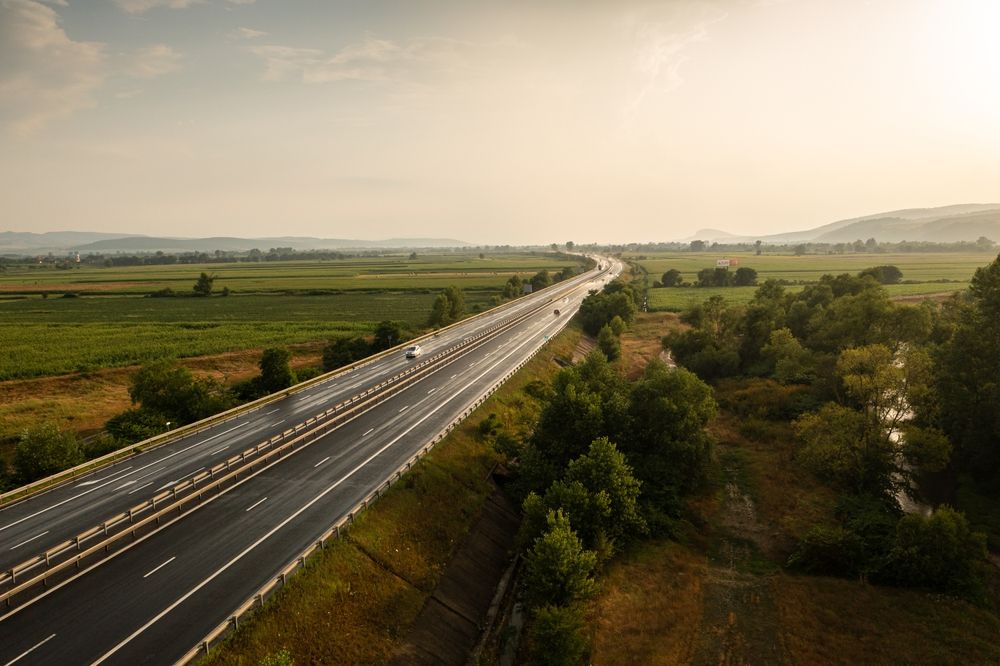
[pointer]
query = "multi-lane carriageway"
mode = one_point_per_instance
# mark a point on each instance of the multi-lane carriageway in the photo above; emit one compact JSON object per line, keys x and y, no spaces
{"x":150,"y":598}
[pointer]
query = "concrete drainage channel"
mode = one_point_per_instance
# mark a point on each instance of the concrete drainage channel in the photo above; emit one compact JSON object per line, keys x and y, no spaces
{"x":90,"y":547}
{"x":257,"y":599}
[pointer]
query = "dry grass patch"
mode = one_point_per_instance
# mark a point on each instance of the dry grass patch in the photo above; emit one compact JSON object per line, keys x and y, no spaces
{"x":641,"y":342}
{"x":83,"y":403}
{"x":343,"y":609}
{"x":651,"y":608}
{"x":831,"y":621}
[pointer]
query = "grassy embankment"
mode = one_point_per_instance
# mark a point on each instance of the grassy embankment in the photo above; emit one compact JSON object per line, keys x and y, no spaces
{"x":924,"y":274}
{"x":722,"y":594}
{"x":67,"y":360}
{"x":355,"y":602}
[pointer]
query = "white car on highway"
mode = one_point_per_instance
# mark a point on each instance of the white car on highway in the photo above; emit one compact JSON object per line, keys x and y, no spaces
{"x":413,"y":351}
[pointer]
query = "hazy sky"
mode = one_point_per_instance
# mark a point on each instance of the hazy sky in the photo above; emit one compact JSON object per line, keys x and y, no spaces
{"x":492,"y":121}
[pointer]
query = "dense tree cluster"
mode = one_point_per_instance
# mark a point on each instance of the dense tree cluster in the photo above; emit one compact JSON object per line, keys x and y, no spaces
{"x":617,"y":299}
{"x":888,"y":393}
{"x":607,"y":461}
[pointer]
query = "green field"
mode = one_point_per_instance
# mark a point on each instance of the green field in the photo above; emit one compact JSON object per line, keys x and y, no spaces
{"x":111,"y":326}
{"x":924,"y":274}
{"x":918,"y":267}
{"x":392,"y":272}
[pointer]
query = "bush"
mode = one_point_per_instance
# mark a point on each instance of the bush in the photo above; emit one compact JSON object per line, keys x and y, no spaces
{"x":136,"y":424}
{"x":556,"y":636}
{"x":43,"y":450}
{"x":102,"y":445}
{"x":308,"y":373}
{"x":829,"y":550}
{"x":938,"y":552}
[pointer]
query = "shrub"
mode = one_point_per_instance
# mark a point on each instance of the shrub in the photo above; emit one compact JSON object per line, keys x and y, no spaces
{"x":43,"y":450}
{"x":557,"y":636}
{"x":829,"y":550}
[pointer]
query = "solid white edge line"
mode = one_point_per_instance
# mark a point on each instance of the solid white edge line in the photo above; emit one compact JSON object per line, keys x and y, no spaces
{"x":321,"y":462}
{"x":29,"y":650}
{"x":160,"y":567}
{"x":368,"y":432}
{"x":256,"y":504}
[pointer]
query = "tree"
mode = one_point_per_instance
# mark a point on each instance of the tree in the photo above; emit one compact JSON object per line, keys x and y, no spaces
{"x":884,"y":274}
{"x":43,"y":450}
{"x":569,"y":246}
{"x":966,"y":381}
{"x":136,"y":424}
{"x":939,"y":552}
{"x":388,"y":334}
{"x":791,"y":362}
{"x":448,"y":307}
{"x":671,"y":278}
{"x":857,"y":445}
{"x":617,"y":325}
{"x":757,"y":245}
{"x":203,"y":287}
{"x":540,"y":280}
{"x":344,"y":351}
{"x":605,"y":473}
{"x":745,"y":277}
{"x":557,"y":569}
{"x":799,"y":250}
{"x":172,"y":391}
{"x":608,"y":343}
{"x":413,"y":256}
{"x":697,"y":246}
{"x":275,"y":370}
{"x":666,"y":442}
{"x":513,"y":287}
{"x":557,"y":636}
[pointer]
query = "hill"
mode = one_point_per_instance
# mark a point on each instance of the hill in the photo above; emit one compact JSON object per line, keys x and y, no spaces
{"x":960,"y":222}
{"x":88,"y":242}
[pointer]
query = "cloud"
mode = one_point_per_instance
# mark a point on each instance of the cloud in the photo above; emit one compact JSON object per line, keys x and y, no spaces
{"x":661,"y":42}
{"x":153,"y":61}
{"x":140,"y":6}
{"x":249,"y":33}
{"x":371,"y":59}
{"x":44,"y":74}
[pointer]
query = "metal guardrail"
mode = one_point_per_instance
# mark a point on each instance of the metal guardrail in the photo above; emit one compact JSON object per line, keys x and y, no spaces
{"x":257,"y":599}
{"x":68,"y":475}
{"x":231,"y":468}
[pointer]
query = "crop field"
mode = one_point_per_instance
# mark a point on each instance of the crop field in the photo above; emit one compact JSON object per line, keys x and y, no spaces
{"x":917,"y":267}
{"x":676,"y":299}
{"x":110,"y":328}
{"x":393,"y":272}
{"x":927,"y":274}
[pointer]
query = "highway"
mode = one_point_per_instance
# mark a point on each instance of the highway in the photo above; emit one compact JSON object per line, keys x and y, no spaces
{"x":155,"y":599}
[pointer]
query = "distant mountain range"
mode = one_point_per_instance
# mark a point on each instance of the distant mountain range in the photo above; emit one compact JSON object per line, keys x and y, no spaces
{"x":87,"y":242}
{"x":961,"y":222}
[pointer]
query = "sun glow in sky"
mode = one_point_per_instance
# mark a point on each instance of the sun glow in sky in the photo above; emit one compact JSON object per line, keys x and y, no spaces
{"x":494,"y":121}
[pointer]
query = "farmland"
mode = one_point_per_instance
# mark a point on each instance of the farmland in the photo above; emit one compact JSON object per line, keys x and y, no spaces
{"x":923,"y":274}
{"x":110,"y":324}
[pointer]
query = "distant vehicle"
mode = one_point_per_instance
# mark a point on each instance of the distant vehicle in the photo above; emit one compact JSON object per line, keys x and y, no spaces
{"x":556,"y":313}
{"x":414,"y":351}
